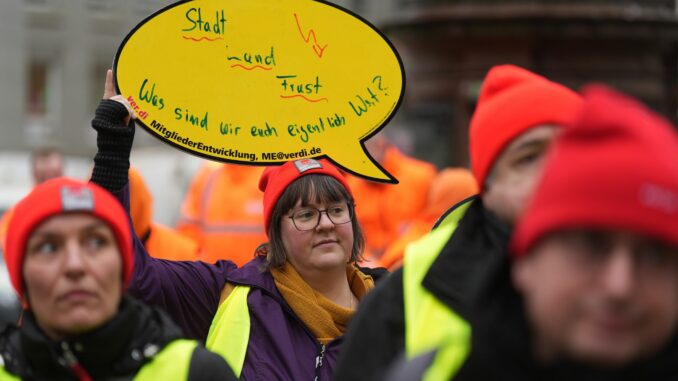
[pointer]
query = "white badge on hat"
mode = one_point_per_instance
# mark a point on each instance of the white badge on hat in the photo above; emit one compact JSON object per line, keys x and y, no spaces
{"x":77,"y":198}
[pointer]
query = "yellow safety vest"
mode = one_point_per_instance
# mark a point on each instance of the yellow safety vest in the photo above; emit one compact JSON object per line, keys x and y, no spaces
{"x":229,"y":333}
{"x":172,"y":363}
{"x":429,"y":323}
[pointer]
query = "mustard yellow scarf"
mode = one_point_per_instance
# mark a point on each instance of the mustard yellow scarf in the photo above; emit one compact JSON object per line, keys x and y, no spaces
{"x":325,"y":319}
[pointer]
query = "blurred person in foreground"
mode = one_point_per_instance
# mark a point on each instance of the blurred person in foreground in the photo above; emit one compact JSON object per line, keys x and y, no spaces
{"x":449,"y":187}
{"x":160,"y":241}
{"x":517,"y":116}
{"x":69,"y":256}
{"x":590,"y":291}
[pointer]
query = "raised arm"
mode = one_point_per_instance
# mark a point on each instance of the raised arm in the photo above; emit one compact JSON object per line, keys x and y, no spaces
{"x":188,"y":291}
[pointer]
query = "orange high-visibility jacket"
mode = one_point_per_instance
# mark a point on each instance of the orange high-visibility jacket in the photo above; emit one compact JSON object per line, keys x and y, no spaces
{"x":385,"y":209}
{"x":449,"y":187}
{"x":223,"y":212}
{"x":166,"y":243}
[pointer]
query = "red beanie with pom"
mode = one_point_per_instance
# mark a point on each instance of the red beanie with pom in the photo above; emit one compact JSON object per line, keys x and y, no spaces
{"x":59,"y":196}
{"x":275,"y":180}
{"x":513,"y":100}
{"x":614,"y":168}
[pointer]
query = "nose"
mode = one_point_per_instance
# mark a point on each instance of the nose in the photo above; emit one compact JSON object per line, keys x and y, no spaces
{"x":74,"y":261}
{"x":324,"y":222}
{"x":618,"y":273}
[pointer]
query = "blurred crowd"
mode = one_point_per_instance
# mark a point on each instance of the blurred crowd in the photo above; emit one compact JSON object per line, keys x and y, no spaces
{"x":554,"y":257}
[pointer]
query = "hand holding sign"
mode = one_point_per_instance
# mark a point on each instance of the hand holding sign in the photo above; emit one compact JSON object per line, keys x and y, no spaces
{"x":109,"y":93}
{"x":260,"y":82}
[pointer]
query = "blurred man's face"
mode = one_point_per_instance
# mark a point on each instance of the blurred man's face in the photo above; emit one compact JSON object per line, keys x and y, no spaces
{"x":516,"y":172}
{"x":47,"y":167}
{"x":604,"y":298}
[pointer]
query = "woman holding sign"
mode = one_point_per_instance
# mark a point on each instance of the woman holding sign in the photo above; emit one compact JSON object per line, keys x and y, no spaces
{"x":69,"y":257}
{"x":282,"y":315}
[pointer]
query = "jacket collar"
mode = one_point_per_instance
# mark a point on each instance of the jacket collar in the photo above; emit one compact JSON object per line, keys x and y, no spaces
{"x":119,"y":347}
{"x":254,"y":274}
{"x":479,"y":238}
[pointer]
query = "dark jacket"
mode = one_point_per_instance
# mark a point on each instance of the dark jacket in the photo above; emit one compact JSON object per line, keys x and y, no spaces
{"x":118,"y":350}
{"x":376,"y":335}
{"x":280,"y":347}
{"x":501,"y":344}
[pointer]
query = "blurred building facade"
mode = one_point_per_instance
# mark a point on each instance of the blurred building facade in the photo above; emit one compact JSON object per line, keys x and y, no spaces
{"x":448,"y":45}
{"x":56,"y":51}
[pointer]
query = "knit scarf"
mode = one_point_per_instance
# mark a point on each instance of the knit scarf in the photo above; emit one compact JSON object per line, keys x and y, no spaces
{"x":325,"y":319}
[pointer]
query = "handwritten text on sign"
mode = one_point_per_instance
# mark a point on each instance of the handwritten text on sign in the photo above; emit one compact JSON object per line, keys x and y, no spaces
{"x":262,"y":82}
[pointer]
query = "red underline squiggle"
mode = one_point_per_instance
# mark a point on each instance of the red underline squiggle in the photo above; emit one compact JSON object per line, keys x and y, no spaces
{"x":251,"y":68}
{"x":202,"y":38}
{"x":301,"y":96}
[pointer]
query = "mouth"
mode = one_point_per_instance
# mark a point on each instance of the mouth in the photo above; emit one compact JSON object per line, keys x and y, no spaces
{"x":614,"y":323}
{"x":75,"y":296}
{"x":325,"y":242}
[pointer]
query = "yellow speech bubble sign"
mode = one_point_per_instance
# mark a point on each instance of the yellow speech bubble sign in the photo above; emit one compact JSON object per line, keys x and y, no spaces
{"x":261,"y":82}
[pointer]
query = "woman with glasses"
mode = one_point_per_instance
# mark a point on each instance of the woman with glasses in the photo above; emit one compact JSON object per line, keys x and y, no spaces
{"x":282,"y":315}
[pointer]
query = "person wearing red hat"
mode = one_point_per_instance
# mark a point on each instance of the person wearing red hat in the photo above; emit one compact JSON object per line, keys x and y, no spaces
{"x":591,"y":288}
{"x":281,"y":316}
{"x":69,"y":258}
{"x":518,"y":113}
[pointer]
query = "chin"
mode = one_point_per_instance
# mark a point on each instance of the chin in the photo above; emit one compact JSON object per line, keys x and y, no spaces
{"x":612,"y":355}
{"x":76,"y":324}
{"x":330,"y":260}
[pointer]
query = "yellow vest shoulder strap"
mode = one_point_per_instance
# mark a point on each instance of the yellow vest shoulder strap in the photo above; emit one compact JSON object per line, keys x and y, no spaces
{"x":172,"y":363}
{"x":7,"y":376}
{"x":230,"y":330}
{"x":429,"y":322}
{"x":455,"y":213}
{"x":448,"y":360}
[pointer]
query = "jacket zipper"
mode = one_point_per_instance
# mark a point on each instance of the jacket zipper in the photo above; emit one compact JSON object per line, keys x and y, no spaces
{"x":321,"y":355}
{"x":72,"y":363}
{"x":319,"y":362}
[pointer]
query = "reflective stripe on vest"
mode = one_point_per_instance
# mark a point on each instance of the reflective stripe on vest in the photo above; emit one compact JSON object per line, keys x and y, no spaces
{"x":229,"y":333}
{"x":172,"y":363}
{"x":428,"y":322}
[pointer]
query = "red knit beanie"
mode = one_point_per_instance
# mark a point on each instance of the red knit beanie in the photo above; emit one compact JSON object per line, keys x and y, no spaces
{"x":63,"y":195}
{"x":275,"y":180}
{"x":513,"y":100}
{"x":615,"y":167}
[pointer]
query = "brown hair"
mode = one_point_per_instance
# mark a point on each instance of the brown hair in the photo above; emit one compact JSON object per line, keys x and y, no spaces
{"x":323,"y":189}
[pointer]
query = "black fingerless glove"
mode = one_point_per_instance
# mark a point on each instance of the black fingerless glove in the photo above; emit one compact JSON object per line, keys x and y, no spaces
{"x":114,"y":143}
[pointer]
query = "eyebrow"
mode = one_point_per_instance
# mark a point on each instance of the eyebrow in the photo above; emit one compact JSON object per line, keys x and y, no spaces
{"x":89,"y":227}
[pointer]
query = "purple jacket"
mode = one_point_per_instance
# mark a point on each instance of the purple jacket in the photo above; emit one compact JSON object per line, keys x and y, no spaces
{"x":280,"y":345}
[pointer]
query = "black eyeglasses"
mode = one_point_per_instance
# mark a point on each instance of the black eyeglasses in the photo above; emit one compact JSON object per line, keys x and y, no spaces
{"x":309,"y":218}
